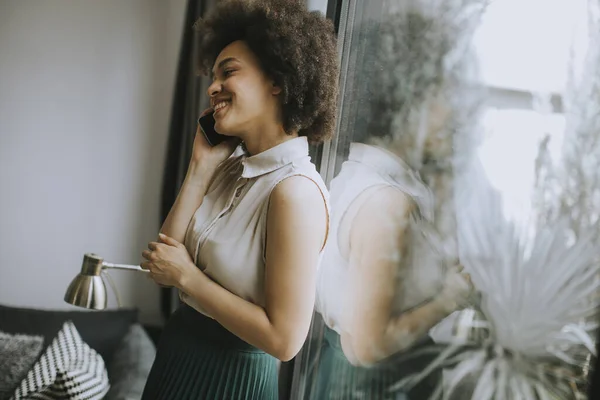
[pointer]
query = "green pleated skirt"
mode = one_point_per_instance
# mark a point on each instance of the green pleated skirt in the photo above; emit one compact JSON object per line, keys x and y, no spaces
{"x":199,"y":359}
{"x":337,"y":379}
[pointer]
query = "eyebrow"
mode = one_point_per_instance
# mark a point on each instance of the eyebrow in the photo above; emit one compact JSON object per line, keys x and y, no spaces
{"x":222,"y":64}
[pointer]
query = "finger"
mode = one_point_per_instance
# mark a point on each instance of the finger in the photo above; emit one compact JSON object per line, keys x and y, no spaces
{"x":168,"y":240}
{"x":200,"y":134}
{"x":206,"y":112}
{"x":153,"y":245}
{"x":148,"y":255}
{"x":146,"y":265}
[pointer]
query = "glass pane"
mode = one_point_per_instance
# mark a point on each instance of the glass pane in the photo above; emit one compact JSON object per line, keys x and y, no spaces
{"x":462,"y":260}
{"x":516,"y":180}
{"x":534,"y":53}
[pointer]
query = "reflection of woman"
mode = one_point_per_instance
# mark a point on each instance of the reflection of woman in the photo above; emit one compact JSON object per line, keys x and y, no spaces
{"x":381,"y":289}
{"x":383,"y":286}
{"x":254,"y":225}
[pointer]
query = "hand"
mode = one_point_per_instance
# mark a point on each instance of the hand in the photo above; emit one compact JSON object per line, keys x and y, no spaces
{"x":168,"y":262}
{"x":205,"y":154}
{"x":346,"y":343}
{"x":457,"y":289}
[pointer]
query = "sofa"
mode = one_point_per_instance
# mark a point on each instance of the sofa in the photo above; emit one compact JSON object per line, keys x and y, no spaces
{"x":124,"y":344}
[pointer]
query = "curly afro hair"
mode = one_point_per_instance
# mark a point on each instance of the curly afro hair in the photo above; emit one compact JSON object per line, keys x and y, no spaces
{"x":296,"y":48}
{"x":421,"y":64}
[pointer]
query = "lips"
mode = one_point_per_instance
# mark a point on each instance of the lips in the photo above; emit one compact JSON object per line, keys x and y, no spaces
{"x":218,"y":99}
{"x":220,"y":105}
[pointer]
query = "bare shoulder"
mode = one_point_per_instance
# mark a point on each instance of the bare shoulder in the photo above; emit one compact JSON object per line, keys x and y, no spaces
{"x":296,"y":219}
{"x":298,"y":192}
{"x":297,"y":209}
{"x":383,"y":212}
{"x":384,"y":202}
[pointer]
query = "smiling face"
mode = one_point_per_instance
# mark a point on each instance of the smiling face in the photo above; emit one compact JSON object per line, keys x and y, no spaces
{"x":244,"y":99}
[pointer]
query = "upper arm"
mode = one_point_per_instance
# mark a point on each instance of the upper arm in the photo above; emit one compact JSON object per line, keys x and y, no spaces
{"x":297,"y":223}
{"x":376,"y":244}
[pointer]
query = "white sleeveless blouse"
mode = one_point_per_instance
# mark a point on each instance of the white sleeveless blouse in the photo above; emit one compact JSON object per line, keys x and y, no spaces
{"x":419,"y":276}
{"x":226,"y":236}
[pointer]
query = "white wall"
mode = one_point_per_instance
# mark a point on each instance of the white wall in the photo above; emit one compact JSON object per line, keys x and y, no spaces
{"x":85,"y":97}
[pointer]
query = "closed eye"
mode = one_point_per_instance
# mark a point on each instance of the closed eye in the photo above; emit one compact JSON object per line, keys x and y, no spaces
{"x":224,"y":65}
{"x":226,"y":74}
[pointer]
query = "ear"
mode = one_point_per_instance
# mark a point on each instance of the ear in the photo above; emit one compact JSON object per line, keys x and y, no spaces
{"x":276,"y":89}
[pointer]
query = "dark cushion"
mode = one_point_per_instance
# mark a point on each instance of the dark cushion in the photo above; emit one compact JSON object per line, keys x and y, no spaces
{"x":17,"y":355}
{"x":131,"y":364}
{"x":101,"y":330}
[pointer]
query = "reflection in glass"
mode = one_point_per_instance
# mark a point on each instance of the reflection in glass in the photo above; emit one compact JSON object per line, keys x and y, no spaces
{"x":390,"y":272}
{"x":431,"y":174}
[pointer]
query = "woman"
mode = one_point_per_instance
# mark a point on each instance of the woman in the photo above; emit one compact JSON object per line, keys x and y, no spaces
{"x":244,"y":238}
{"x":385,"y":280}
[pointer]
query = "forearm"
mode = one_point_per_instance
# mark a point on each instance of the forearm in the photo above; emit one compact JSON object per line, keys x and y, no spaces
{"x":370,"y":345}
{"x":244,"y":319}
{"x":404,"y":330}
{"x":188,"y":200}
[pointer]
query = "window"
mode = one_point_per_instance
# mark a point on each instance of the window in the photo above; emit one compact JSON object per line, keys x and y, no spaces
{"x":527,"y":49}
{"x":527,"y":52}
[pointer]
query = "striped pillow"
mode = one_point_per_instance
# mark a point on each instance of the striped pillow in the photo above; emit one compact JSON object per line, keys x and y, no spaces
{"x":68,"y":369}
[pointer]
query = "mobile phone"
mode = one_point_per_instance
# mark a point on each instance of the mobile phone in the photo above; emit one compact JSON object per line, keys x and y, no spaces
{"x":207,"y":124}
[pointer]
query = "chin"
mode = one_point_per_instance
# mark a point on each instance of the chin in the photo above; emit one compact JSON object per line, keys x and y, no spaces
{"x":223,"y":130}
{"x":226,"y":129}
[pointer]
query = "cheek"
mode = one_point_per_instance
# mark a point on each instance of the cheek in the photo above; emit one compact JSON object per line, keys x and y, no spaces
{"x":255,"y":96}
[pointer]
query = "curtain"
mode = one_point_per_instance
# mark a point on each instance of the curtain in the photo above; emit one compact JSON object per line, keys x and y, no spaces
{"x":188,"y":102}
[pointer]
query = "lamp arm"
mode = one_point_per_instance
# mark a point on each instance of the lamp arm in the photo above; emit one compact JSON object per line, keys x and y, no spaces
{"x":107,"y":265}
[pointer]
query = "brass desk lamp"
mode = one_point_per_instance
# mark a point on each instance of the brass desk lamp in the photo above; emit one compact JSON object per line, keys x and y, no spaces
{"x":88,"y":289}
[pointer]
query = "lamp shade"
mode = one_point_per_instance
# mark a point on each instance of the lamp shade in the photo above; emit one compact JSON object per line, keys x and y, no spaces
{"x":87,"y":289}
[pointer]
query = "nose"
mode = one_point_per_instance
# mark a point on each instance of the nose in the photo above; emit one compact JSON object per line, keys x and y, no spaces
{"x":214,"y":88}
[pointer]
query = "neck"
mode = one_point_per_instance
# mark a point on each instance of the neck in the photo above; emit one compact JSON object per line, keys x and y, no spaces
{"x":265,"y":137}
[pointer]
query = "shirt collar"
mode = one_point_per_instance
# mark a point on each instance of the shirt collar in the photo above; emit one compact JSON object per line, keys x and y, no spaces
{"x":383,"y":161}
{"x":390,"y":165}
{"x":276,"y":157}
